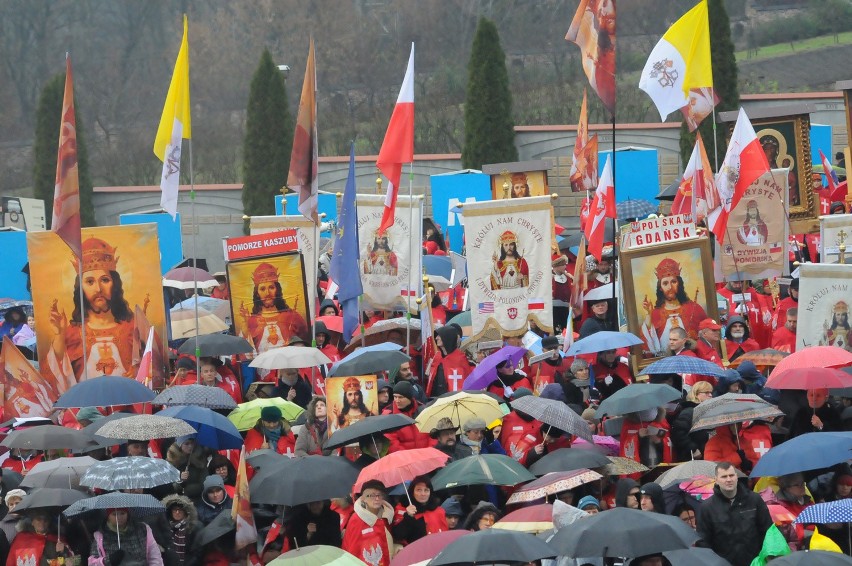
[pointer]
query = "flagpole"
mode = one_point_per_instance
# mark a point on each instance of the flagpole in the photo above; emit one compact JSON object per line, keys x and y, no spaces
{"x":315,"y":284}
{"x":715,"y":148}
{"x":614,"y":221}
{"x":194,"y":265}
{"x":411,"y":251}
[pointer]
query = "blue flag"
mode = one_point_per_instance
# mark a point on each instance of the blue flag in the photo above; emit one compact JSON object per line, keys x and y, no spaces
{"x":345,"y":259}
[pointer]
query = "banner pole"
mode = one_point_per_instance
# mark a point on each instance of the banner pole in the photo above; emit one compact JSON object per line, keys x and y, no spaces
{"x":194,"y":265}
{"x":411,"y":251}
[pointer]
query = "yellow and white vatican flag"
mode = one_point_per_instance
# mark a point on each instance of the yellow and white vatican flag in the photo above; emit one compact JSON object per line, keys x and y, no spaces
{"x":508,"y":265}
{"x":680,"y":66}
{"x":175,"y":125}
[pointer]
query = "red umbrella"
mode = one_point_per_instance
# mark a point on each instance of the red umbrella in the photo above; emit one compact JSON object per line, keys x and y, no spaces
{"x":810,"y":378}
{"x":814,"y":357}
{"x":534,"y":519}
{"x":425,"y":549}
{"x":398,"y":467}
{"x":333,"y":323}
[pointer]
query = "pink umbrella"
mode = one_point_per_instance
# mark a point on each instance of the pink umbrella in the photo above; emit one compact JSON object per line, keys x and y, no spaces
{"x":425,"y":549}
{"x":607,"y":444}
{"x":398,"y":467}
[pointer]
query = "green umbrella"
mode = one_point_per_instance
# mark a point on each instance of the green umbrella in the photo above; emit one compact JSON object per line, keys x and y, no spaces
{"x":485,"y":469}
{"x":317,"y":555}
{"x":246,"y":414}
{"x":463,"y":320}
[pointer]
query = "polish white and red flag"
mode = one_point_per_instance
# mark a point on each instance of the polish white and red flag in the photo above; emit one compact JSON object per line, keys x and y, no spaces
{"x":398,"y":146}
{"x":603,"y":207}
{"x":744,"y":162}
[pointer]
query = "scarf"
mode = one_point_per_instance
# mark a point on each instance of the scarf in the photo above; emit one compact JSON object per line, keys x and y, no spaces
{"x":179,"y":532}
{"x":475,"y":447}
{"x":322,"y":427}
{"x":272,"y":436}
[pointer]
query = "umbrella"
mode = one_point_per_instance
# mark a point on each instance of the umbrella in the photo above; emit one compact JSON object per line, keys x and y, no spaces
{"x":183,"y":324}
{"x":141,"y":504}
{"x":58,"y":473}
{"x":688,"y":471}
{"x":607,"y":444}
{"x":145,"y":427}
{"x":47,"y":437}
{"x":634,"y":208}
{"x":45,"y":497}
{"x":104,"y":391}
{"x":290,"y":357}
{"x":366,"y":428}
{"x":602,"y":341}
{"x":317,"y":555}
{"x":621,"y":466}
{"x":486,"y":372}
{"x":302,"y":480}
{"x":188,"y":278}
{"x":380,"y":333}
{"x":839,"y":511}
{"x":198,"y":395}
{"x":623,"y":532}
{"x":574,"y":239}
{"x":369,"y":359}
{"x":459,"y":407}
{"x":494,"y":546}
{"x":739,"y":412}
{"x":555,"y":414}
{"x":780,"y":514}
{"x":534,"y":519}
{"x":705,"y":406}
{"x":333,"y":323}
{"x":463,"y":320}
{"x":438,"y":265}
{"x":567,"y":459}
{"x":809,"y":378}
{"x":246,"y":414}
{"x":670,"y":192}
{"x":217,"y":345}
{"x":637,"y":397}
{"x":221,"y":525}
{"x":424,"y":549}
{"x":398,"y":467}
{"x":264,"y":457}
{"x":481,"y":469}
{"x":132,"y":472}
{"x":821,"y":170}
{"x":551,"y":484}
{"x":683,"y":364}
{"x":214,"y":430}
{"x":219,"y":307}
{"x":810,"y":451}
{"x":761,"y":358}
{"x":812,"y":558}
{"x":695,"y":557}
{"x":814,"y":357}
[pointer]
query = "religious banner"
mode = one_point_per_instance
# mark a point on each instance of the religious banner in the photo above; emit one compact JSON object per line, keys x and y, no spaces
{"x":508,"y":264}
{"x":306,"y":233}
{"x":834,"y":231}
{"x":755,"y":246}
{"x":518,"y":179}
{"x":268,"y":301}
{"x":351,"y":399}
{"x":120,"y":266}
{"x":825,"y":293}
{"x":26,"y":393}
{"x":666,"y":287}
{"x":391,"y":262}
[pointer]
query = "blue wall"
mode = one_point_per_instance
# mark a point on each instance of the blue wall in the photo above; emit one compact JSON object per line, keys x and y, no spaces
{"x":448,"y":190}
{"x":168,"y":234}
{"x":13,"y":283}
{"x":637,"y":175}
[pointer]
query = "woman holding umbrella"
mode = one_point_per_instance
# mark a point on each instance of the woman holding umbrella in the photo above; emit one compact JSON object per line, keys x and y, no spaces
{"x":35,"y":543}
{"x":423,"y":515}
{"x":121,"y":540}
{"x":688,"y":445}
{"x":367,"y":535}
{"x":191,"y":459}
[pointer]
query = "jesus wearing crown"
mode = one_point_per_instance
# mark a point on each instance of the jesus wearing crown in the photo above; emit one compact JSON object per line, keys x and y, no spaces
{"x":672,"y":309}
{"x":109,"y":322}
{"x":510,"y":270}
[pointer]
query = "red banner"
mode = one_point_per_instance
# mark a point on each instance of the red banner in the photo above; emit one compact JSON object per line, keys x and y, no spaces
{"x":271,"y":243}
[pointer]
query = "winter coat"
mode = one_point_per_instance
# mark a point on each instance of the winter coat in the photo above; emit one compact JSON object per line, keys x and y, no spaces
{"x":367,"y":536}
{"x":429,"y":519}
{"x":327,"y":523}
{"x":734,"y":529}
{"x":153,"y":556}
{"x":684,"y":441}
{"x":519,"y":435}
{"x":161,"y":528}
{"x":622,"y":490}
{"x":722,"y":447}
{"x":286,"y":442}
{"x":407,"y":437}
{"x":195,"y":464}
{"x":310,"y":442}
{"x":207,"y":511}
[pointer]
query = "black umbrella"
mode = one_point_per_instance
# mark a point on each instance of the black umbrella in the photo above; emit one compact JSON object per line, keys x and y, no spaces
{"x":567,"y":459}
{"x":92,"y":429}
{"x":221,"y":525}
{"x":637,"y":397}
{"x":813,"y":558}
{"x":45,"y":497}
{"x":670,"y":192}
{"x":46,"y":438}
{"x":302,"y":480}
{"x":623,"y":532}
{"x":217,"y":345}
{"x":366,"y":428}
{"x":490,"y":546}
{"x":574,"y":239}
{"x":10,"y":479}
{"x":104,"y":391}
{"x":695,"y":557}
{"x":264,"y":457}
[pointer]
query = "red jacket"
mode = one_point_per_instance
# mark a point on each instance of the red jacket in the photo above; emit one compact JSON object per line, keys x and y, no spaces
{"x":755,"y":440}
{"x":629,"y":439}
{"x":435,"y":519}
{"x":723,"y":448}
{"x":368,"y":537}
{"x":779,"y":318}
{"x":518,"y":435}
{"x":407,"y":437}
{"x":286,"y":443}
{"x":543,"y":374}
{"x":784,"y":340}
{"x":737,"y":349}
{"x":707,"y":352}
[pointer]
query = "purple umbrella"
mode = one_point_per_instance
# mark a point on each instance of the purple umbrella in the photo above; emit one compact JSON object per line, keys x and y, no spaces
{"x":486,"y":372}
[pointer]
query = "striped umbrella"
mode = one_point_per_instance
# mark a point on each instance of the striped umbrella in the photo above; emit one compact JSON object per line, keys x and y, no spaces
{"x":553,"y":483}
{"x":132,"y":472}
{"x":534,"y":519}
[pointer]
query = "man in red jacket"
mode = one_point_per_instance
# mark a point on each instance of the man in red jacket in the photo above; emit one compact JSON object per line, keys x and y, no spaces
{"x":784,"y":339}
{"x":451,"y":367}
{"x":404,"y":404}
{"x":707,"y":345}
{"x":738,"y":341}
{"x":520,"y":431}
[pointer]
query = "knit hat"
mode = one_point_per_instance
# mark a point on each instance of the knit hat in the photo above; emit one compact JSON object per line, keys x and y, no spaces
{"x":185,"y":363}
{"x":213,"y":481}
{"x":270,"y":414}
{"x":452,"y":507}
{"x":185,"y":438}
{"x":552,"y":391}
{"x":549,"y":343}
{"x":589,"y":500}
{"x":521,"y":392}
{"x":89,"y":414}
{"x":14,"y":493}
{"x":475,"y":423}
{"x":405,"y":389}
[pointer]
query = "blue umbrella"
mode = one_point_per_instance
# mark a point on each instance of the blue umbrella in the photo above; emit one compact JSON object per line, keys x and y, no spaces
{"x":634,"y":208}
{"x":369,"y":359}
{"x":438,"y":265}
{"x":104,"y":391}
{"x":601,"y":341}
{"x":486,"y":372}
{"x":214,"y":430}
{"x":839,"y":511}
{"x":684,"y":364}
{"x":637,"y":397}
{"x":810,"y":451}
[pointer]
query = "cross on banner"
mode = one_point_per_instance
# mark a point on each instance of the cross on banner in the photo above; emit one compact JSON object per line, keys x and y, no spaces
{"x":455,"y":377}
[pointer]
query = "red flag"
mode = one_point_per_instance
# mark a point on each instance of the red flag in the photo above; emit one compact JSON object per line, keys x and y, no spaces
{"x":603,"y":206}
{"x":241,"y":509}
{"x":26,"y":393}
{"x":593,"y":30}
{"x":66,"y":195}
{"x":744,"y":162}
{"x":581,"y":279}
{"x":145,"y":374}
{"x":586,"y":177}
{"x":697,"y":193}
{"x":580,"y":142}
{"x":398,"y":147}
{"x":828,"y":170}
{"x":302,"y":177}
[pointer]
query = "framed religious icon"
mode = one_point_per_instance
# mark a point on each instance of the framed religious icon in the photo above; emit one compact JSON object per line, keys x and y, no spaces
{"x":351,"y":399}
{"x":666,"y":287}
{"x":517,"y":180}
{"x":825,"y":293}
{"x":835,"y":231}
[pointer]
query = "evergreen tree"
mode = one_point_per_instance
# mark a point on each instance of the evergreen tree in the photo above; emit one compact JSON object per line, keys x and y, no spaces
{"x":724,"y":82}
{"x":48,"y":121}
{"x":489,"y":134}
{"x":268,"y":141}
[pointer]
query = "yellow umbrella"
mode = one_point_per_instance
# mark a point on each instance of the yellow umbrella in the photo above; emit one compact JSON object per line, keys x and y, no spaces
{"x":459,"y":407}
{"x":245,"y":415}
{"x":183,"y":323}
